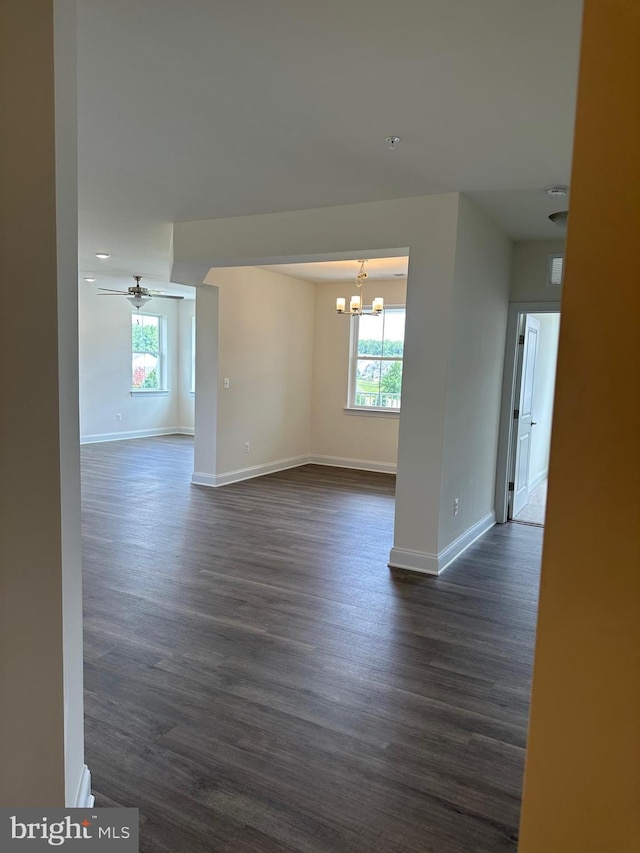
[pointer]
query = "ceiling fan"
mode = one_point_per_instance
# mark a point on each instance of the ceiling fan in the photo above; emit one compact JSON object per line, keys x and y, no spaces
{"x":137,"y":295}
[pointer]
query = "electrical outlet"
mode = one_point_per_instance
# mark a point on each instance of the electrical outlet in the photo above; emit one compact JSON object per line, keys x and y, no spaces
{"x":226,"y":382}
{"x":456,"y":505}
{"x":118,"y":417}
{"x":247,"y":446}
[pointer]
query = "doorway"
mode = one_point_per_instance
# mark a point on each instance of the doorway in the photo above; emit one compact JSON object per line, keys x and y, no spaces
{"x":530,"y":370}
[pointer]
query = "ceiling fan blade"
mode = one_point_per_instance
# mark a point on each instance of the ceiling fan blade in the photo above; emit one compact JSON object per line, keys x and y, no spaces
{"x":115,"y":293}
{"x":110,"y":290}
{"x":163,"y":296}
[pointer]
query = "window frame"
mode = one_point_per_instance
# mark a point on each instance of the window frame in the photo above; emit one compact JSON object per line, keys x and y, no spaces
{"x":551,"y":259}
{"x":351,"y":407}
{"x":192,"y":384}
{"x":161,"y":355}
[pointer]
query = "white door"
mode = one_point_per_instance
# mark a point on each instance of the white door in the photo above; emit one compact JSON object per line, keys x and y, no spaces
{"x":523,"y":421}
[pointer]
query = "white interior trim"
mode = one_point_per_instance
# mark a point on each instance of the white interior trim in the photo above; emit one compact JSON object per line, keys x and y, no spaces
{"x":413,"y":561}
{"x":460,"y":545}
{"x":434,"y":564}
{"x":359,"y":464}
{"x":214,"y":480}
{"x":539,"y":478}
{"x":247,"y":473}
{"x":509,"y":398}
{"x":84,"y":797}
{"x":138,"y":433}
{"x":370,"y":412}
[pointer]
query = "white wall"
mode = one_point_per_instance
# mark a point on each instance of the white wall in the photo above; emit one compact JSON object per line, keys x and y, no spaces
{"x":529,"y":271}
{"x":41,"y":736}
{"x":335,"y":434}
{"x":479,"y":312}
{"x":105,"y":367}
{"x":543,"y":391}
{"x":186,"y":313}
{"x":265,"y":328}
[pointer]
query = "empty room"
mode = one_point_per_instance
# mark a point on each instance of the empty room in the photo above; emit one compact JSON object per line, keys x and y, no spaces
{"x":320,"y":299}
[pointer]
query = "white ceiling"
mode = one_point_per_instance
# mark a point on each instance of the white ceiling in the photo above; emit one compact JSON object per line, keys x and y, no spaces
{"x":377,"y":269}
{"x":192,"y":109}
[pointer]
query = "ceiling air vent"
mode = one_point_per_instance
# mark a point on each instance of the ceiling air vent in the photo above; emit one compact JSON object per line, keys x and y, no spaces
{"x":555,"y":269}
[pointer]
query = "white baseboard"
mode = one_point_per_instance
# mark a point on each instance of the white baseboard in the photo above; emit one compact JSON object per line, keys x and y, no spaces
{"x":453,"y":551}
{"x":84,"y":797}
{"x":434,"y":564}
{"x":359,"y":464}
{"x":539,"y":478}
{"x":200,"y":479}
{"x":137,"y":433}
{"x":414,"y":561}
{"x":216,"y":480}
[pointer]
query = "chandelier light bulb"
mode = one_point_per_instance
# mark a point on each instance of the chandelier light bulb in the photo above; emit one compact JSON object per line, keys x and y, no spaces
{"x":356,"y":303}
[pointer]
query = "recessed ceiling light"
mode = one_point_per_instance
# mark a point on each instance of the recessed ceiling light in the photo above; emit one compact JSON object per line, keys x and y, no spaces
{"x":89,"y":279}
{"x":556,"y":191}
{"x":103,"y":255}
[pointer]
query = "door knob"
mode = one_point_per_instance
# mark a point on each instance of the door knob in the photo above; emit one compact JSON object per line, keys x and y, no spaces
{"x":533,"y":423}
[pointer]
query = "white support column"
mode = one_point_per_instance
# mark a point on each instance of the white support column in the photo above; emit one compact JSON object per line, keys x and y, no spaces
{"x":206,"y":402}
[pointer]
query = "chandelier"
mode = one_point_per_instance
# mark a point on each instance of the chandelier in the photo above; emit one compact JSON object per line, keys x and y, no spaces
{"x":356,"y":303}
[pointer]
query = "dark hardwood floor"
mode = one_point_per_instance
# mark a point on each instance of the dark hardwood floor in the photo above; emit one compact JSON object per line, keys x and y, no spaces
{"x":257,"y":680}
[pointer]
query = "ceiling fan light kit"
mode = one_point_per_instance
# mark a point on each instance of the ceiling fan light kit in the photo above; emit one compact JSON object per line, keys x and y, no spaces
{"x":356,"y":303}
{"x":138,"y":301}
{"x":137,"y":295}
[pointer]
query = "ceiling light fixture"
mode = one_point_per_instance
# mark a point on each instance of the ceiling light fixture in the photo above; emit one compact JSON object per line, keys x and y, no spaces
{"x":556,"y":191}
{"x":559,"y":217}
{"x":138,"y":301}
{"x":392,"y":141}
{"x":89,"y":279}
{"x":356,"y":303}
{"x":103,"y":255}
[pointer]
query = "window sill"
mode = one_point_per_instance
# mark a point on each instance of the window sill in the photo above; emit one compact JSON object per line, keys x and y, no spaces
{"x":149,"y":392}
{"x":372,"y":413}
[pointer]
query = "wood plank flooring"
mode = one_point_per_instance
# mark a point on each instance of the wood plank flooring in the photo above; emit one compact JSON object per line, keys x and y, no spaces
{"x":257,"y":680}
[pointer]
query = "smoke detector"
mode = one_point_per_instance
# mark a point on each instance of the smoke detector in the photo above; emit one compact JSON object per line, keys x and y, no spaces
{"x":556,"y":191}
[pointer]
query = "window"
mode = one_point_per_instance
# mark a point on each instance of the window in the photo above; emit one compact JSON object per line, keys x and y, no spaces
{"x":377,"y":347}
{"x":192,"y":387}
{"x":147,"y":352}
{"x":555,"y":269}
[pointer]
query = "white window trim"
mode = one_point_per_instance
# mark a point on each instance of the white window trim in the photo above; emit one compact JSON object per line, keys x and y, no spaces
{"x":370,"y":412}
{"x":367,"y":411}
{"x":192,"y":386}
{"x":550,"y":260}
{"x":163,"y":390}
